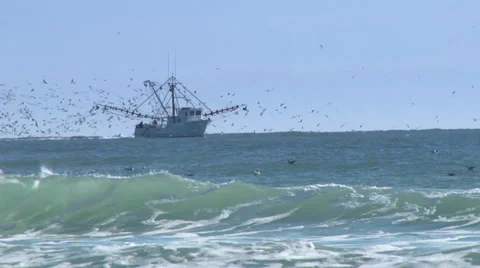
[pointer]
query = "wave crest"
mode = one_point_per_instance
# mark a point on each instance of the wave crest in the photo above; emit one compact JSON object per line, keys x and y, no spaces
{"x":164,"y":202}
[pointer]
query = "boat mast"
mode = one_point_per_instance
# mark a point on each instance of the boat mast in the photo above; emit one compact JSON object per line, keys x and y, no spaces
{"x":172,"y":89}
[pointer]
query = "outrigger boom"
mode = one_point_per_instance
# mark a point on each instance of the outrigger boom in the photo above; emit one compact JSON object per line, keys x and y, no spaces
{"x":105,"y":108}
{"x":179,"y":121}
{"x":140,"y":115}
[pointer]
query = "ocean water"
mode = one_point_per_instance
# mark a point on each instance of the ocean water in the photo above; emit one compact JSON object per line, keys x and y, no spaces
{"x":355,"y":199}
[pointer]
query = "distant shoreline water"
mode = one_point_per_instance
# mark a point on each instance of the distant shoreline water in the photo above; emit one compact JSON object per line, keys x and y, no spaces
{"x":246,"y":132}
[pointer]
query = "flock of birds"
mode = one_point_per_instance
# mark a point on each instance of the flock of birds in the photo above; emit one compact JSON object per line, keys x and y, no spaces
{"x":48,"y":109}
{"x":45,"y":111}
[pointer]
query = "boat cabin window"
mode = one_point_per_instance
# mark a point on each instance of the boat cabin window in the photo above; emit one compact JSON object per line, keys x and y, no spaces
{"x":186,"y":113}
{"x":192,"y":113}
{"x":198,"y":113}
{"x":179,"y":120}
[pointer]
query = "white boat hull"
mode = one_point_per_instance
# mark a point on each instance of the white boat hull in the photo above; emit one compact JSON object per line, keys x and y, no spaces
{"x":185,"y":129}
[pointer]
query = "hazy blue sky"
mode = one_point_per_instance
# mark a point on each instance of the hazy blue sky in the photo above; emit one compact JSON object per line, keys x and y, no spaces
{"x":378,"y":57}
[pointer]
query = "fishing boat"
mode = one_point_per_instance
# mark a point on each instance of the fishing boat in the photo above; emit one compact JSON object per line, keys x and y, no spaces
{"x":174,"y":113}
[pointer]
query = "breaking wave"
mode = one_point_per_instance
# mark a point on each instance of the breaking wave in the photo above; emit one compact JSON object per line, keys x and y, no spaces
{"x":164,"y":203}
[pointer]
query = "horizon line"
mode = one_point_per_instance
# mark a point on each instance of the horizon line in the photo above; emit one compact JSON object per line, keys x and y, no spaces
{"x":119,"y":136}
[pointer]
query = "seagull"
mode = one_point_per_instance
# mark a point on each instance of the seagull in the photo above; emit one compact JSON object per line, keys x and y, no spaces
{"x":256,"y":172}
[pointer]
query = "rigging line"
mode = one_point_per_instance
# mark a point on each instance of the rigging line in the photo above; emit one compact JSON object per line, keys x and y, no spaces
{"x":158,"y":97}
{"x":184,"y":96}
{"x":195,"y":97}
{"x":165,"y":99}
{"x":157,"y":111}
{"x":151,"y":85}
{"x":138,"y":106}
